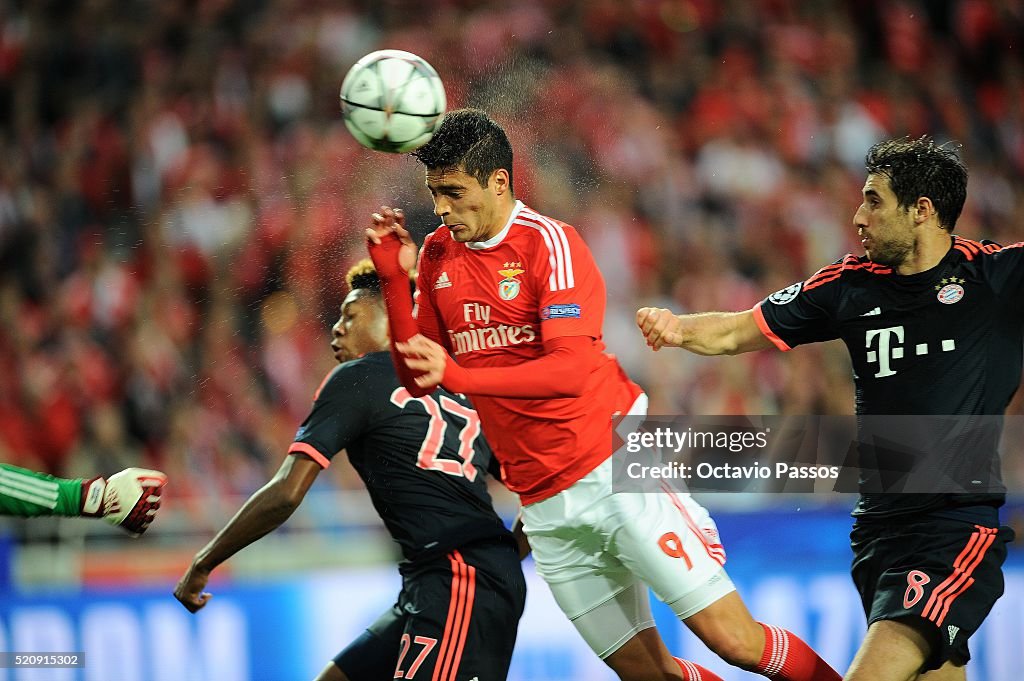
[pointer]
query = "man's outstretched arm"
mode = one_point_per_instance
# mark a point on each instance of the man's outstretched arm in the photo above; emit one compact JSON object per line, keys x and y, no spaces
{"x":264,"y":512}
{"x":707,"y":333}
{"x":562,"y":371}
{"x":129,"y":499}
{"x":393,"y":253}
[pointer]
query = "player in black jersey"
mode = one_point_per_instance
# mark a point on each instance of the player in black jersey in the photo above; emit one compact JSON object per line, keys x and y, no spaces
{"x":423,"y":461}
{"x":933,"y":325}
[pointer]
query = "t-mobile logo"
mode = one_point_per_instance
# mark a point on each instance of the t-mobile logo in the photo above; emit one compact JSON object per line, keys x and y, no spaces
{"x":890,"y":347}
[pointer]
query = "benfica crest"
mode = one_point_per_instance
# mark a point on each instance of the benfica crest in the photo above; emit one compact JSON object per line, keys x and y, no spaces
{"x":508,"y":288}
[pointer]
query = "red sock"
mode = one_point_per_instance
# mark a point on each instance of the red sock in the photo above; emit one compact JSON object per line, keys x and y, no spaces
{"x":694,"y":672}
{"x":787,"y":658}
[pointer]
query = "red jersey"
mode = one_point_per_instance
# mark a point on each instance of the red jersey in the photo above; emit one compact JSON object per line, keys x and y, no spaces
{"x":493,"y":304}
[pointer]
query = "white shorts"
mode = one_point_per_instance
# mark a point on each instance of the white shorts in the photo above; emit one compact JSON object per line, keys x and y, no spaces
{"x":596,"y":549}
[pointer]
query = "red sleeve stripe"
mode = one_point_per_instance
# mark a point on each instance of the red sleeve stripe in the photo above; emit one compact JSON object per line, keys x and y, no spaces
{"x":973,"y":246}
{"x":833,"y":272}
{"x":963,"y":249}
{"x":303,"y":448}
{"x":823,"y":272}
{"x":460,"y":609}
{"x":948,"y":591}
{"x":559,"y":254}
{"x":970,"y":248}
{"x":822,"y":280}
{"x":767,"y":331}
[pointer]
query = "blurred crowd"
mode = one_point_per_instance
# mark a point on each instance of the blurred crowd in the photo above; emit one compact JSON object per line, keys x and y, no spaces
{"x":179,"y":199}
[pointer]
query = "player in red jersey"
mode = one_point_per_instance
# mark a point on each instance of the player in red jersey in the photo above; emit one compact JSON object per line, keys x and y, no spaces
{"x":509,"y":308}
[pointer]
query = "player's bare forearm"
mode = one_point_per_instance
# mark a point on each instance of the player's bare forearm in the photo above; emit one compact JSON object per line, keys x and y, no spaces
{"x":708,"y":333}
{"x":261,"y":514}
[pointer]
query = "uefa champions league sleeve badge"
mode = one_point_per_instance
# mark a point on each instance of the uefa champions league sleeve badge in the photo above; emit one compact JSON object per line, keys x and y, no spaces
{"x":786,"y":295}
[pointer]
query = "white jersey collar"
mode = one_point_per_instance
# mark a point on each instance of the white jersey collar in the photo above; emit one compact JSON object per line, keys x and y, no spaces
{"x":500,"y":236}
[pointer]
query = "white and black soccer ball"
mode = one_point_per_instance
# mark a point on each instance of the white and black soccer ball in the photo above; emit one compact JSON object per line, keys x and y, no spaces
{"x":392,"y":101}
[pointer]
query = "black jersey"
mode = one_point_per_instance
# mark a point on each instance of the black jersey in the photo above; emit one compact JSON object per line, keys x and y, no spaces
{"x":423,"y":460}
{"x":947,"y":341}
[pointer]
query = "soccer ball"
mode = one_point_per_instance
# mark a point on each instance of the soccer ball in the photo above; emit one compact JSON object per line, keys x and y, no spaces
{"x":392,"y":101}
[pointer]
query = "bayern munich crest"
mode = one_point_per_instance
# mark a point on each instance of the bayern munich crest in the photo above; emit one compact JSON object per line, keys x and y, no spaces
{"x":949,"y":290}
{"x":508,"y":288}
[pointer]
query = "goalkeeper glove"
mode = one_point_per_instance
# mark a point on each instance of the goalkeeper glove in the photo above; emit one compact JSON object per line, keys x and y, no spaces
{"x":129,"y":499}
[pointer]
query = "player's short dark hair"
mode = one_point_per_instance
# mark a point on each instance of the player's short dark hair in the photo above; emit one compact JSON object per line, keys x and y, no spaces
{"x":363,"y":276}
{"x":471,"y":140}
{"x":920,"y":167}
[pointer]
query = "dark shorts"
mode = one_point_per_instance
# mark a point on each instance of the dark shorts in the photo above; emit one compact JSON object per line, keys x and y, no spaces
{"x":939,"y":575}
{"x":456,"y":618}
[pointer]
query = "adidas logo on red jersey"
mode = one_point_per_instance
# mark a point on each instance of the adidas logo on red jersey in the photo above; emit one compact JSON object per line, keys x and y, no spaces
{"x":443,"y":281}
